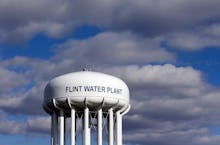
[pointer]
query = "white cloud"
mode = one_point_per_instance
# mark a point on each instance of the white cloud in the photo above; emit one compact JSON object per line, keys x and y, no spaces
{"x":39,"y":124}
{"x":60,"y":17}
{"x":167,"y":101}
{"x":167,"y":74}
{"x":170,"y":105}
{"x":191,"y":137}
{"x":165,"y":80}
{"x":199,"y":38}
{"x":29,"y":103}
{"x":10,"y":81}
{"x":114,"y":48}
{"x":10,"y":127}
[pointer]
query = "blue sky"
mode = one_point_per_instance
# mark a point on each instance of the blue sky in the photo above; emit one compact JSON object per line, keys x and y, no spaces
{"x":166,"y":51}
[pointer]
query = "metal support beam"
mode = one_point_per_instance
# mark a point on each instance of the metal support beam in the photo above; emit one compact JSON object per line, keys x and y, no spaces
{"x":62,"y":128}
{"x":118,"y":128}
{"x":54,"y":129}
{"x":86,"y":136}
{"x":73,"y":126}
{"x":111,"y":127}
{"x":100,"y":127}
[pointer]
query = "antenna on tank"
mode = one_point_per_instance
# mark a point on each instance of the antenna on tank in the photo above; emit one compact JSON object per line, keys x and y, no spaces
{"x":87,"y":69}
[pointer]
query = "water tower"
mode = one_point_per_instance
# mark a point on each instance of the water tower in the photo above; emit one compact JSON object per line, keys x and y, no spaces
{"x":91,"y":95}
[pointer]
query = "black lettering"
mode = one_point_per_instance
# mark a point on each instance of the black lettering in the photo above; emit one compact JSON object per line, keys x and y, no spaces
{"x":67,"y":89}
{"x":86,"y":88}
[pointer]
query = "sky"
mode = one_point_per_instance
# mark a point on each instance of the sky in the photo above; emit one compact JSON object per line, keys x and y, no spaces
{"x":167,"y":52}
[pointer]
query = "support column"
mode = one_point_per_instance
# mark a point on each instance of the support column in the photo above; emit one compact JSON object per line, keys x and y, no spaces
{"x":110,"y":127}
{"x":73,"y":126}
{"x":62,"y":128}
{"x":100,"y":127}
{"x":54,"y":129}
{"x":118,"y":128}
{"x":86,"y":136}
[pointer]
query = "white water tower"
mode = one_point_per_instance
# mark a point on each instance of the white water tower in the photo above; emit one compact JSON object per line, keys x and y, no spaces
{"x":91,"y":95}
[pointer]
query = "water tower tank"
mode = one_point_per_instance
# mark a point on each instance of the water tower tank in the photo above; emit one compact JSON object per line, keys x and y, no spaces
{"x":84,"y":94}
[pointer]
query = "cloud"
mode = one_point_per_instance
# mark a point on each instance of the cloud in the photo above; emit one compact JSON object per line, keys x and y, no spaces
{"x":167,"y":101}
{"x":164,"y":103}
{"x":29,"y":103}
{"x":159,"y":75}
{"x":59,"y":18}
{"x":10,"y":81}
{"x":114,"y":48}
{"x":39,"y":124}
{"x":170,"y":105}
{"x":159,"y":93}
{"x":167,"y":109}
{"x":123,"y":49}
{"x":158,"y":17}
{"x":199,"y":38}
{"x":33,"y":125}
{"x":10,"y":127}
{"x":27,"y":18}
{"x":157,"y":79}
{"x":191,"y":137}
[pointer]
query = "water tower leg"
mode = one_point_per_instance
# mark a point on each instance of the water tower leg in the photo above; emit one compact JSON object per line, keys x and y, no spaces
{"x":100,"y":127}
{"x":73,"y":127}
{"x":118,"y":128}
{"x":54,"y":129}
{"x":62,"y":128}
{"x":86,"y":136}
{"x":110,"y":127}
